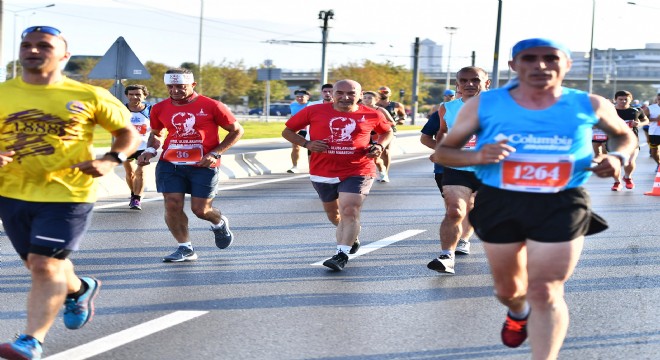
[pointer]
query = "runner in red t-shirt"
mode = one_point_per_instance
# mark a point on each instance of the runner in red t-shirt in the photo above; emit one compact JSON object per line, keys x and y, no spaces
{"x":190,"y":159}
{"x":342,"y":168}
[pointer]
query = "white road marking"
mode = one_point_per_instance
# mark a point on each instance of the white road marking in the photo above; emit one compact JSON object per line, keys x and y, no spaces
{"x":365,"y":249}
{"x":124,"y":337}
{"x":241,"y":186}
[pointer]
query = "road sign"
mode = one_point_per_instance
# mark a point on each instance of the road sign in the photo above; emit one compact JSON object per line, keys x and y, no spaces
{"x":269,"y":74}
{"x":119,"y":62}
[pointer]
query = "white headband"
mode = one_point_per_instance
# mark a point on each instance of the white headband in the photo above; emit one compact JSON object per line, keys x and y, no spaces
{"x":173,"y":79}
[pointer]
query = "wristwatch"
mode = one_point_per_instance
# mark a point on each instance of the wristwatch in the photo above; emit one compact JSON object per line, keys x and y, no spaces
{"x":117,"y":156}
{"x":215,"y":154}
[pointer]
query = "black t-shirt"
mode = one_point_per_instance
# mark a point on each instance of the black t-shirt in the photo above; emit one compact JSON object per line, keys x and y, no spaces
{"x":630,"y":114}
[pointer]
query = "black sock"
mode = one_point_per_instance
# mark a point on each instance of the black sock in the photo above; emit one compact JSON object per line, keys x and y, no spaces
{"x":30,"y":337}
{"x":132,"y":195}
{"x":83,"y":289}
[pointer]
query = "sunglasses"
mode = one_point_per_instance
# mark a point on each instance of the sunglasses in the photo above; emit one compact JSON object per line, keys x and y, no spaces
{"x":42,"y":29}
{"x":384,"y":92}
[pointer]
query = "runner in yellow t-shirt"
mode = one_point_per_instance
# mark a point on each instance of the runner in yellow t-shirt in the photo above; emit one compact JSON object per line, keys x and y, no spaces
{"x":47,"y":172}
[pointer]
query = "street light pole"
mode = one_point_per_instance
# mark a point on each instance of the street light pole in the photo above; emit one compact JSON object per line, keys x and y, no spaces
{"x":590,"y":76}
{"x":496,"y":56}
{"x":199,"y":50}
{"x":324,"y":16}
{"x":451,"y":30}
{"x":13,"y":67}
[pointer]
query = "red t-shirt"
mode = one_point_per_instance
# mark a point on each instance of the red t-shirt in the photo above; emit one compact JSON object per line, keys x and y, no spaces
{"x":192,"y":129}
{"x":347,"y":135}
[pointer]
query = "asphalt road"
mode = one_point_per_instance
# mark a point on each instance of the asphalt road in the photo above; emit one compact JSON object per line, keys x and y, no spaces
{"x":265,"y":297}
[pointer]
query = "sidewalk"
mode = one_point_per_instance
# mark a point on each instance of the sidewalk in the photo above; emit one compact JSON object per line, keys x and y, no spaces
{"x":246,"y":164}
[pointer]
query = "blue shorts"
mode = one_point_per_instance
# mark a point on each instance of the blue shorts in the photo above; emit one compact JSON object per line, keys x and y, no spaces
{"x":354,"y":184}
{"x":48,"y":229}
{"x":197,"y":181}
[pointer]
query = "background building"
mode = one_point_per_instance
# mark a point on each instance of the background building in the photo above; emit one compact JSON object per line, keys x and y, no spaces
{"x":430,"y":56}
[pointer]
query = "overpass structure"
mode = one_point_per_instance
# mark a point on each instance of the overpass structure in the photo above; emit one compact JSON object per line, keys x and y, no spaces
{"x":311,"y":79}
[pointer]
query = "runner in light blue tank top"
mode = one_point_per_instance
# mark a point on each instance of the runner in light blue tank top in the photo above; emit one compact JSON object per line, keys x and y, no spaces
{"x":531,"y":213}
{"x":452,"y":109}
{"x":567,"y":142}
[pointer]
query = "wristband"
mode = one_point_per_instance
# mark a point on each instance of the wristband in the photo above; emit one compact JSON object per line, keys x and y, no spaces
{"x":151,"y":150}
{"x":382,"y":148}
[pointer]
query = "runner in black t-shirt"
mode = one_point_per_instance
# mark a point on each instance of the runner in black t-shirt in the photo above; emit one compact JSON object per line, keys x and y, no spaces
{"x":634,"y":118}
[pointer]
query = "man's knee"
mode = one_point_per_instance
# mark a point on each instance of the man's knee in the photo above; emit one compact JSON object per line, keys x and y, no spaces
{"x":544,"y":292}
{"x":43,"y":266}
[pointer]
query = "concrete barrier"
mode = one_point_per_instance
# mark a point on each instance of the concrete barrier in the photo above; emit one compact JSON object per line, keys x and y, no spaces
{"x":235,"y":166}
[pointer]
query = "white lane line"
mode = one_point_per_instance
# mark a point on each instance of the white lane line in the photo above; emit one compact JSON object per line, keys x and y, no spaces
{"x":242,"y":186}
{"x":124,"y":337}
{"x":365,"y":249}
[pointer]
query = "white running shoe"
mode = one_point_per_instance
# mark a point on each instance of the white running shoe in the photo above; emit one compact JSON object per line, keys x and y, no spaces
{"x":463,"y":247}
{"x":293,"y":170}
{"x":385,"y":178}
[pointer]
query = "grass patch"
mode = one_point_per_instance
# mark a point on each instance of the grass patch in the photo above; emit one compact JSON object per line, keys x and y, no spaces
{"x":253,"y":130}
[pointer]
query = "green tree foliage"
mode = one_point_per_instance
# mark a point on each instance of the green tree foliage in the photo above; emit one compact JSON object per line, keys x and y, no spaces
{"x":372,"y":75}
{"x":257,"y":93}
{"x":157,"y":88}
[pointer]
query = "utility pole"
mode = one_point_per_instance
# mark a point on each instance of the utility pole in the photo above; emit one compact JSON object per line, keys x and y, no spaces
{"x":199,"y":50}
{"x":496,"y":56}
{"x":414,"y":99}
{"x":324,"y":16}
{"x":590,"y":76}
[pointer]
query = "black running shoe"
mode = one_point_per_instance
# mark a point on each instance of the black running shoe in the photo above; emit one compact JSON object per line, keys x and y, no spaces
{"x":337,"y":262}
{"x":443,"y":264}
{"x":355,"y":247}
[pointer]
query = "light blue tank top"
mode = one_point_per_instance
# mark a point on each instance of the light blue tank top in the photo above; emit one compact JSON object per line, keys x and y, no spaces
{"x":553,"y":145}
{"x":451,"y":110}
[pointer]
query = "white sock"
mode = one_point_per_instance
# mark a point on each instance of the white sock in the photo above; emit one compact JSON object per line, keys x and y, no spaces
{"x":447,"y":252}
{"x":521,"y":315}
{"x":343,"y":248}
{"x":218,"y":225}
{"x":187,"y":244}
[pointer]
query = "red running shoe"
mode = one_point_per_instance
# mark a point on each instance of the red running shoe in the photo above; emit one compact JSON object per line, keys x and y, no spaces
{"x":514,"y":332}
{"x":616,"y":186}
{"x":629,"y":183}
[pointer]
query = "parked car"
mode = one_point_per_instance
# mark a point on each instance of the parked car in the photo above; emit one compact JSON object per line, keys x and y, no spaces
{"x":276,"y":109}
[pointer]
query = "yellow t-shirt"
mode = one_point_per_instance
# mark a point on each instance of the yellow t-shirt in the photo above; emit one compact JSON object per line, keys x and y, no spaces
{"x":51,"y":127}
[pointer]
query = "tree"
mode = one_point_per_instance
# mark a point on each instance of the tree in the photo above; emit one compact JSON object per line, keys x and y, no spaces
{"x":257,"y":92}
{"x":157,"y":88}
{"x":372,"y":75}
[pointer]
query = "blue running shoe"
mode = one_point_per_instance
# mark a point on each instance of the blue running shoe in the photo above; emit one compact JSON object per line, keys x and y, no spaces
{"x":24,"y":348}
{"x":80,"y":312}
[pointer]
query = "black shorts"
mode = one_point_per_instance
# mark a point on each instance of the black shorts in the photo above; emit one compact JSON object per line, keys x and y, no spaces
{"x":654,"y":141}
{"x":504,"y":216}
{"x":460,"y":177}
{"x":135,"y":155}
{"x":438,"y":181}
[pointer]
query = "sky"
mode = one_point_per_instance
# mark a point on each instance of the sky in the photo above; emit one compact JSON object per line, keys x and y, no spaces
{"x":167,"y":31}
